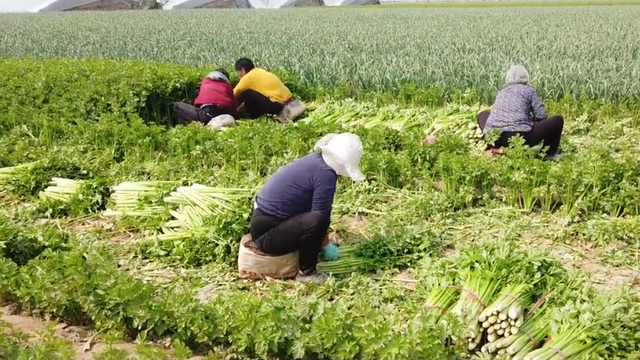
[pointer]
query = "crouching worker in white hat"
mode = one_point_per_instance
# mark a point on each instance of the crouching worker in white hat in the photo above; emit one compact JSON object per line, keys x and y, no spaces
{"x":292,"y":212}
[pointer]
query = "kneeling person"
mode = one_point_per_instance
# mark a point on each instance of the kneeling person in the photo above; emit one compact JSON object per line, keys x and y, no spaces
{"x":215,"y":98}
{"x":292,"y":212}
{"x":517,"y":111}
{"x":262,"y":93}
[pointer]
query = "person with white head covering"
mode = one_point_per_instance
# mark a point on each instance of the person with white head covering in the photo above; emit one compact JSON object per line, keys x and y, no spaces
{"x":292,"y":212}
{"x":517,"y":110}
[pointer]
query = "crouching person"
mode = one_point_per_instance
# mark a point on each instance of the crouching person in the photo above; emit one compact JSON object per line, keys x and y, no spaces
{"x":292,"y":212}
{"x":215,"y":98}
{"x":517,"y":110}
{"x":261,"y":93}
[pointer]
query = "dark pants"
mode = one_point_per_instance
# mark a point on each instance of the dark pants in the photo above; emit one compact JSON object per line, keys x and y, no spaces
{"x":258,"y":105}
{"x":302,"y":233}
{"x":186,"y":113}
{"x":548,"y":131}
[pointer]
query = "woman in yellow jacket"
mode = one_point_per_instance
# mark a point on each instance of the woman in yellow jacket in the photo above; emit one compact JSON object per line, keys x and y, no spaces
{"x":261,"y":93}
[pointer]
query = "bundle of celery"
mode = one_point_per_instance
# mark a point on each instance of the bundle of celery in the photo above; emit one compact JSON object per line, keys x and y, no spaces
{"x":440,"y":299}
{"x":385,"y":250}
{"x":505,"y":316}
{"x":477,"y":291}
{"x":529,"y":336}
{"x":196,"y":204}
{"x":9,"y":172}
{"x":347,"y":263}
{"x":61,"y":189}
{"x":137,"y":198}
{"x":564,"y":346}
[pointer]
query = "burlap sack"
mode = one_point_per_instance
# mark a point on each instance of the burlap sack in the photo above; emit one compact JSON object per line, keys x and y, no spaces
{"x":292,"y":111}
{"x":254,"y":264}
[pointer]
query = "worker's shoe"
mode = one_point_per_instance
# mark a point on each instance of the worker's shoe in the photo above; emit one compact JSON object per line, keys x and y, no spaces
{"x":291,"y":112}
{"x":554,"y":157}
{"x":311,"y":277}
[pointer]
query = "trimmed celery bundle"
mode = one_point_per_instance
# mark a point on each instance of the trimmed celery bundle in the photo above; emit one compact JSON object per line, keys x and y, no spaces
{"x":440,"y":299}
{"x":130,"y":198}
{"x":529,"y":336}
{"x":504,"y":317}
{"x":564,"y":346}
{"x":347,"y":263}
{"x":478,"y":289}
{"x":61,"y":189}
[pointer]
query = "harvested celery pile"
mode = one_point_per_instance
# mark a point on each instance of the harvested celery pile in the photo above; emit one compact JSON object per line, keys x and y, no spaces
{"x":63,"y":190}
{"x":142,"y":198}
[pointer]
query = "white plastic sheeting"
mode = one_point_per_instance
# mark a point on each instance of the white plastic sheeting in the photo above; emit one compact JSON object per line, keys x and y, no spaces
{"x":258,"y":4}
{"x":195,"y":4}
{"x":62,"y":5}
{"x":22,"y":5}
{"x":350,"y":2}
{"x":51,"y":5}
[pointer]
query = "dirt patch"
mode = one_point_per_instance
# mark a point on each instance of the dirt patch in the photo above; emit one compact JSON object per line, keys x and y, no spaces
{"x":206,"y":293}
{"x":583,"y":257}
{"x":354,"y":221}
{"x":125,"y":237}
{"x":81,"y":339}
{"x":405,"y":280}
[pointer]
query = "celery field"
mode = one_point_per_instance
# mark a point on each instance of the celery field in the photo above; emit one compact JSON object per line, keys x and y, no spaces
{"x":571,"y":50}
{"x":119,"y":232}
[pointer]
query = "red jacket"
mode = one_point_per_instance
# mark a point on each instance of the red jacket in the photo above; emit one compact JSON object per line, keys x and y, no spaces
{"x":216,"y":92}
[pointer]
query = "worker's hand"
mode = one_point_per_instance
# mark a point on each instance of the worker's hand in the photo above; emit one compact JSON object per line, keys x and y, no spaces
{"x":331,"y":252}
{"x":326,"y":240}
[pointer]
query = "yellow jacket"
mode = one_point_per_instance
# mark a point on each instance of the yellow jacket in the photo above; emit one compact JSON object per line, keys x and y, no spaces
{"x":265,"y":83}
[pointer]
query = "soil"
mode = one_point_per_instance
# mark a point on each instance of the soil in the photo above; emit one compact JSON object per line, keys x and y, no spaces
{"x":583,"y":258}
{"x":80,"y":338}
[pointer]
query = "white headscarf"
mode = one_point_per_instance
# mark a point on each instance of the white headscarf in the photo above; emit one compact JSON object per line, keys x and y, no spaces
{"x":217,"y":75}
{"x":342,"y":152}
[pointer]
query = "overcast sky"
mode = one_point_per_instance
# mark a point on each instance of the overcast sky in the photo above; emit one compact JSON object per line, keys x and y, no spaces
{"x":34,"y":5}
{"x":21,"y":5}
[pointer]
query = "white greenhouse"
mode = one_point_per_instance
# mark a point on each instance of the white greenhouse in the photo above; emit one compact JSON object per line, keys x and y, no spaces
{"x":210,"y":4}
{"x":66,"y":5}
{"x":69,"y":5}
{"x":243,"y":4}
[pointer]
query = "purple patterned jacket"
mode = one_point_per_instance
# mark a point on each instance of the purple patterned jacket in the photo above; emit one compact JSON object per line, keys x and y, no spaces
{"x":516,"y":108}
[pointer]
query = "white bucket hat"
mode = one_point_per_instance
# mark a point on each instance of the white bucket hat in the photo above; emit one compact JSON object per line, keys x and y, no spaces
{"x":342,"y":152}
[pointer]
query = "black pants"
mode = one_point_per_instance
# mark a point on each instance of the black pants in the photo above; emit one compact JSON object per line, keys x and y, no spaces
{"x":302,"y":233}
{"x":548,"y":131}
{"x":186,"y":113}
{"x":258,"y":105}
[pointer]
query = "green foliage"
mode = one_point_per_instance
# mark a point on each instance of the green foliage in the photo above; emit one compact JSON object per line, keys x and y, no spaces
{"x":23,"y":243}
{"x":459,"y":49}
{"x":102,"y":121}
{"x":396,"y":249}
{"x":508,"y":263}
{"x":84,"y":285}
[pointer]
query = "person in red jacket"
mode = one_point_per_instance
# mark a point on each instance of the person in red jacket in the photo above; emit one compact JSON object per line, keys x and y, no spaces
{"x":215,"y":98}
